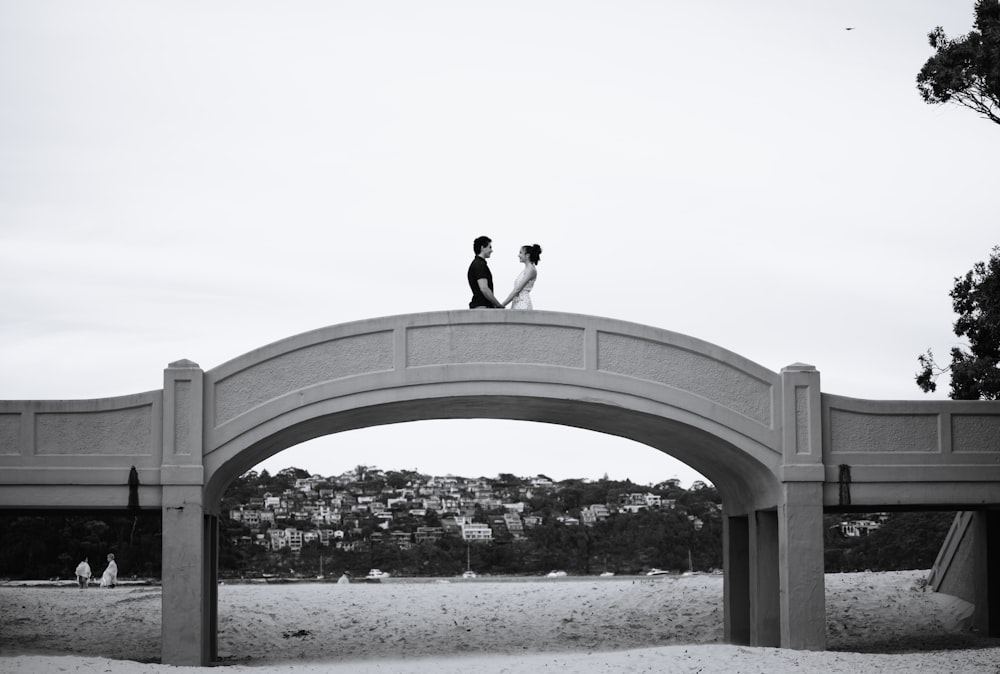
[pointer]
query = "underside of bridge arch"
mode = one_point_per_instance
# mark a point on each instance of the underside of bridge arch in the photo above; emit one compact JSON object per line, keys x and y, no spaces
{"x":741,"y":469}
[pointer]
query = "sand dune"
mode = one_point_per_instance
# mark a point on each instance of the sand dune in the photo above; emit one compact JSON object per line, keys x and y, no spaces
{"x":876,"y":622}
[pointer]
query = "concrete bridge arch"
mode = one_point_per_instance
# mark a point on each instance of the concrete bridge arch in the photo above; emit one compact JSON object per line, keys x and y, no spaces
{"x":771,"y":442}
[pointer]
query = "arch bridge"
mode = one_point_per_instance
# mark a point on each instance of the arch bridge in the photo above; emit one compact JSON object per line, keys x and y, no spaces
{"x":780,"y":451}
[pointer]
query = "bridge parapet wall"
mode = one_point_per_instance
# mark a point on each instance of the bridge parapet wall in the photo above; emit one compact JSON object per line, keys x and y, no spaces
{"x":76,"y":446}
{"x":397,"y":352}
{"x":889,"y":447}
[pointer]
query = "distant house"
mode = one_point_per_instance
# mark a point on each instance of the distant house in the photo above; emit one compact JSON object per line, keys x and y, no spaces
{"x":514,"y":524}
{"x":856,"y":528}
{"x":249,"y":517}
{"x":635,"y":499}
{"x":476,"y":531}
{"x":286,"y":538}
{"x":594,"y":513}
{"x":326,"y":515}
{"x":428,"y":534}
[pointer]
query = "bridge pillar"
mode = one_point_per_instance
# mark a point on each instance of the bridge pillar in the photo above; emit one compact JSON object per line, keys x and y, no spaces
{"x":765,"y":614}
{"x":800,"y":560}
{"x":187,"y":622}
{"x":736,"y":579}
{"x":986,"y":572}
{"x":800,"y":563}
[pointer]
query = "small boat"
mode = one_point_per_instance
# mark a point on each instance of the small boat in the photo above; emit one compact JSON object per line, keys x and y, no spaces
{"x":657,"y":572}
{"x":556,"y":574}
{"x":376,"y":574}
{"x":607,"y":574}
{"x":469,"y":574}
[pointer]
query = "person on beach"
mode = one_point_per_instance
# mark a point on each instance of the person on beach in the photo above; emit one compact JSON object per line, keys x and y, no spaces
{"x":83,"y":573}
{"x":110,"y":577}
{"x":525,"y":281}
{"x":480,"y":277}
{"x":344,"y":579}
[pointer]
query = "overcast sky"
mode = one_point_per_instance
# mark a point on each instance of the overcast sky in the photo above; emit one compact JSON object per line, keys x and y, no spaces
{"x":195,"y":180}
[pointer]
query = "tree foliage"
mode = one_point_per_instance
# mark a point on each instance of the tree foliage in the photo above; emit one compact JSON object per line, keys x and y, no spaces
{"x":966,"y":70}
{"x":907,"y":540}
{"x":975,"y":373}
{"x":50,"y":545}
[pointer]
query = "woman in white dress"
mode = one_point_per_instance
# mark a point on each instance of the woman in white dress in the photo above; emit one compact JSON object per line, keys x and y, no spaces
{"x":525,"y":281}
{"x":110,"y":577}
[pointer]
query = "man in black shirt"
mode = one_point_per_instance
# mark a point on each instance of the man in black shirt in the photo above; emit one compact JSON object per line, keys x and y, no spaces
{"x":480,"y":277}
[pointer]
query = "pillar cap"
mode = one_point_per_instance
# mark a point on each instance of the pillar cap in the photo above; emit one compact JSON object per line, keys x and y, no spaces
{"x":799,"y":367}
{"x":183,"y":363}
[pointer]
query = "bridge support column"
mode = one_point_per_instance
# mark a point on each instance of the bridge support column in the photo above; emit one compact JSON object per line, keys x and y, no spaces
{"x":800,"y":563}
{"x":764,"y":580}
{"x":736,"y":583}
{"x":185,"y":623}
{"x":986,"y":572}
{"x":190,"y":536}
{"x":752,"y":581}
{"x":802,"y":591}
{"x":210,"y":607}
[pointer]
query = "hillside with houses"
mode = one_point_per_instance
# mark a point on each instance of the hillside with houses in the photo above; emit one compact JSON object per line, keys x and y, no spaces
{"x":296,"y":523}
{"x":417,"y":524}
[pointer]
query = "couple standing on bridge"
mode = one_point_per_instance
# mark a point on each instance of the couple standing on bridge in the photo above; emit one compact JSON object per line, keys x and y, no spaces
{"x":481,"y":279}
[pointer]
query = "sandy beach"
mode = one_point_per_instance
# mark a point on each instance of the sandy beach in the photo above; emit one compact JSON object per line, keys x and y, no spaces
{"x":876,"y":622}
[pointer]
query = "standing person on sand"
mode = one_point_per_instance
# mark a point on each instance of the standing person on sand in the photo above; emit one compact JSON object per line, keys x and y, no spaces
{"x":525,"y":281}
{"x":83,"y":573}
{"x":110,"y":577}
{"x":480,"y":277}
